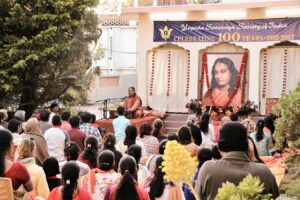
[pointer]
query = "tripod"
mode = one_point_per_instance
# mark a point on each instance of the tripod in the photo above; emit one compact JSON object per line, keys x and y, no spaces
{"x":105,"y":102}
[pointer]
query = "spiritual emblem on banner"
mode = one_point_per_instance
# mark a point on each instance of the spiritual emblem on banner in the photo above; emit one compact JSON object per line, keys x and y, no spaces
{"x":165,"y":33}
{"x":225,"y":78}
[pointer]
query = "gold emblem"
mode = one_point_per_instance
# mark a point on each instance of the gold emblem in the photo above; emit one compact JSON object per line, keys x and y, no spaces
{"x":165,"y":33}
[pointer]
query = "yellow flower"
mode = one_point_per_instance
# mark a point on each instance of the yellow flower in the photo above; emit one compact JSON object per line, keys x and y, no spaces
{"x":165,"y":33}
{"x":178,"y":164}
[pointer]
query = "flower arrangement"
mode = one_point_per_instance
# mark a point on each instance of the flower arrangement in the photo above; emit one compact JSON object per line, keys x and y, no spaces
{"x":249,"y":188}
{"x":195,"y":105}
{"x":179,"y":165}
{"x":247,"y":108}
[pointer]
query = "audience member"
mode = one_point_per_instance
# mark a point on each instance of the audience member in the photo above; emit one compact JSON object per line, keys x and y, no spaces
{"x":143,"y":173}
{"x":252,"y":151}
{"x":88,"y":128}
{"x":71,"y":153}
{"x":157,"y":126}
{"x":130,"y":139}
{"x":120,"y":124}
{"x":65,"y":125}
{"x":192,"y":122}
{"x":20,"y":115}
{"x":151,"y":161}
{"x":33,"y":131}
{"x":44,"y":120}
{"x":54,"y":108}
{"x":261,"y":139}
{"x":234,"y":165}
{"x":161,"y":189}
{"x":56,"y":140}
{"x":3,"y":119}
{"x":99,"y":179}
{"x":51,"y":169}
{"x":90,"y":152}
{"x":13,"y":170}
{"x":150,"y":142}
{"x":234,"y":117}
{"x":185,"y":139}
{"x":109,"y":142}
{"x":207,"y":131}
{"x":127,"y":187}
{"x":14,"y":126}
{"x":70,"y":189}
{"x":75,"y":134}
{"x":25,"y":154}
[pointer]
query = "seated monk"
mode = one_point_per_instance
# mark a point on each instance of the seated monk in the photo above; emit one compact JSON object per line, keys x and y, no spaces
{"x":133,"y":103}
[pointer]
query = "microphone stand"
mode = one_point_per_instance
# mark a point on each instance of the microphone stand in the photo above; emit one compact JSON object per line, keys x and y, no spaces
{"x":104,"y":101}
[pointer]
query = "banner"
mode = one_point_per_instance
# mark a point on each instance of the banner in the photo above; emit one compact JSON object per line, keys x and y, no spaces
{"x":254,"y":30}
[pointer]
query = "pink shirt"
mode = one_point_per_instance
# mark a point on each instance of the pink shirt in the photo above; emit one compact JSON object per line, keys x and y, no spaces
{"x":65,"y":126}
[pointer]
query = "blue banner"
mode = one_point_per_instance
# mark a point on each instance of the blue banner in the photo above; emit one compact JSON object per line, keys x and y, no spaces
{"x":254,"y":30}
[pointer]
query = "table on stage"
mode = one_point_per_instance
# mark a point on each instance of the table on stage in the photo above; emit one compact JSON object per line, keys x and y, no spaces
{"x":107,"y":123}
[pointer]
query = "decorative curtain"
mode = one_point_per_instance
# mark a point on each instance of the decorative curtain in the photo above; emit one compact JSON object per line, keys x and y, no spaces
{"x":279,"y":73}
{"x":168,"y":79}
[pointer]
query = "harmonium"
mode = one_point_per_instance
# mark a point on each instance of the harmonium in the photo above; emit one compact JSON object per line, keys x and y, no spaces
{"x":114,"y":114}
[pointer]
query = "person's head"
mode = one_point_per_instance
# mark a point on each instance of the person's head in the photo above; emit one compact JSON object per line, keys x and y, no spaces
{"x":126,"y":188}
{"x":86,"y":117}
{"x":54,"y":108}
{"x":6,"y":148}
{"x":131,"y":91}
{"x":120,"y":110}
{"x":192,"y":119}
{"x":70,"y":175}
{"x":106,"y":160}
{"x":157,"y":125}
{"x":20,"y":115}
{"x":269,"y":122}
{"x":259,"y":130}
{"x":172,"y":137}
{"x":14,"y":126}
{"x":162,"y":146}
{"x":204,"y":122}
{"x":74,"y":122}
{"x":136,"y":152}
{"x":44,"y":115}
{"x":3,"y":115}
{"x":51,"y":167}
{"x":223,"y":73}
{"x":204,"y":155}
{"x":233,"y":137}
{"x":26,"y":149}
{"x":56,"y":120}
{"x":130,"y":135}
{"x":65,"y":116}
{"x":252,"y":151}
{"x":93,"y":118}
{"x":90,"y":151}
{"x":2,"y":118}
{"x":216,"y":155}
{"x":145,"y":129}
{"x":33,"y":126}
{"x":184,"y":135}
{"x":234,"y":117}
{"x":157,"y":183}
{"x":71,"y":151}
{"x":109,"y":141}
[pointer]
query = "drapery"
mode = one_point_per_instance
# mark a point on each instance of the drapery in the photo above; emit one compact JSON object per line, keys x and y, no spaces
{"x":273,"y":63}
{"x":168,"y":79}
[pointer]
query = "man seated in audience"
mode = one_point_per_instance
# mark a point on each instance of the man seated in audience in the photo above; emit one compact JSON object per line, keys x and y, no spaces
{"x":88,"y":128}
{"x":44,"y":120}
{"x":76,"y":135}
{"x":120,"y":124}
{"x":20,"y":115}
{"x":133,"y":104}
{"x":234,"y":166}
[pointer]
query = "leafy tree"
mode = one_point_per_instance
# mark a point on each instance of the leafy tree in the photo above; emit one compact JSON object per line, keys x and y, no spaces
{"x":44,"y":48}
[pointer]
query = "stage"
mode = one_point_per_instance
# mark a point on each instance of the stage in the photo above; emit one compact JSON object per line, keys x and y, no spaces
{"x":107,"y":123}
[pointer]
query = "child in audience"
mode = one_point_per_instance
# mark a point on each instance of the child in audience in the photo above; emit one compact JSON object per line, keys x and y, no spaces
{"x":98,"y":179}
{"x":185,"y":139}
{"x":51,"y":169}
{"x":69,"y":189}
{"x":25,"y":154}
{"x":127,"y":187}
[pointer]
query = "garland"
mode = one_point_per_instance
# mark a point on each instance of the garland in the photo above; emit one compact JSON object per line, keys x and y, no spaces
{"x":284,"y":71}
{"x":264,"y":83}
{"x":169,"y":73}
{"x":237,"y":81}
{"x":188,"y":76}
{"x":152,"y":73}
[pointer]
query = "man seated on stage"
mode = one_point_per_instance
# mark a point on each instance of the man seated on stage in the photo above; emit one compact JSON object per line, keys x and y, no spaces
{"x":133,"y":103}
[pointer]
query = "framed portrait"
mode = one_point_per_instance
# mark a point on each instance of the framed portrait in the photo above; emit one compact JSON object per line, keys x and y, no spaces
{"x":223,"y":72}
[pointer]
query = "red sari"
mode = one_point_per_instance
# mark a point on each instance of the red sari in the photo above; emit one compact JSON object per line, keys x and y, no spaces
{"x":134,"y":104}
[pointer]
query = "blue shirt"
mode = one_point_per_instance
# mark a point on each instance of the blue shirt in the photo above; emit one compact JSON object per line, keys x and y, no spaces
{"x":120,"y":125}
